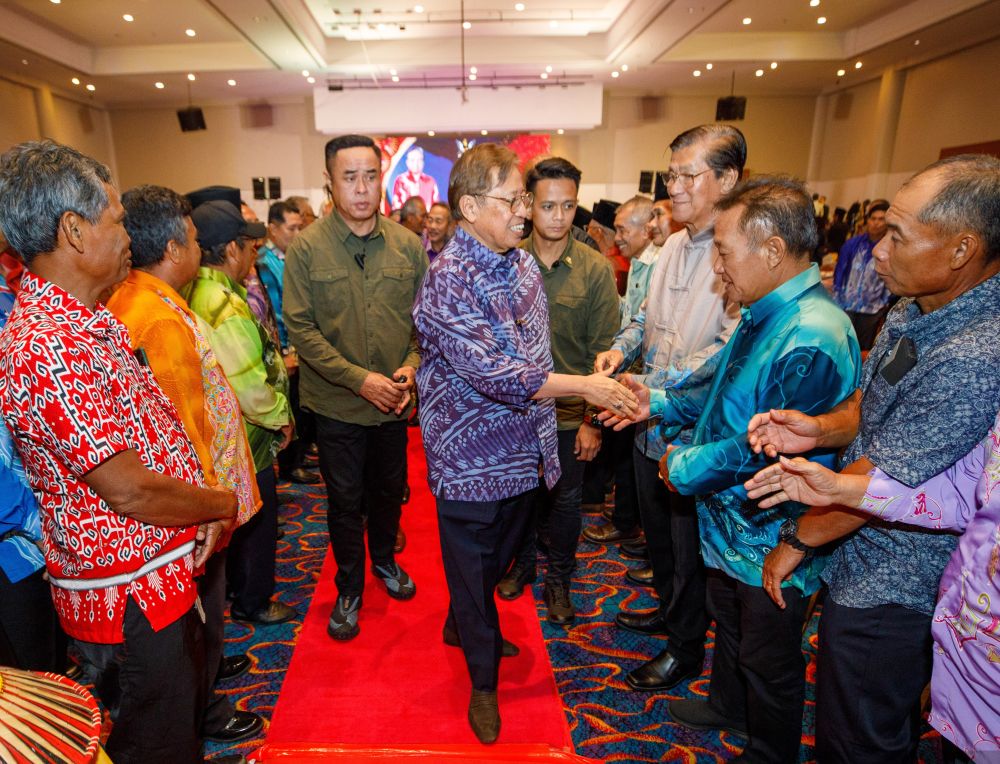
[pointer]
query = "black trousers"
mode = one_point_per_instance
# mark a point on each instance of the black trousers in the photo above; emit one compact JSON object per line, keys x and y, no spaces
{"x":873,"y":665}
{"x":364,"y":468}
{"x":293,"y":456}
{"x":30,"y":635}
{"x":558,"y":511}
{"x":251,"y":552}
{"x":478,"y":540}
{"x":867,"y":326}
{"x":159,"y":677}
{"x":626,"y":514}
{"x":212,"y":591}
{"x":758,"y":672}
{"x":671,"y":525}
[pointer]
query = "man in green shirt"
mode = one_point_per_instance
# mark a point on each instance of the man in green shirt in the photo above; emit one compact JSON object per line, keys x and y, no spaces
{"x":350,"y":281}
{"x":583,"y":318}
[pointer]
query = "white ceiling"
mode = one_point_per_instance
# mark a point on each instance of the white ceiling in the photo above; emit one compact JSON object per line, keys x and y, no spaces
{"x":264,"y":45}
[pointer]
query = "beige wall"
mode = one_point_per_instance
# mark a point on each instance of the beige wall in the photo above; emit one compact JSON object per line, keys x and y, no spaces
{"x":19,"y":122}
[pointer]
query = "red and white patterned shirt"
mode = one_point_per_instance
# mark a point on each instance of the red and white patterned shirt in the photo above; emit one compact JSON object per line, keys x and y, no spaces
{"x":74,"y":395}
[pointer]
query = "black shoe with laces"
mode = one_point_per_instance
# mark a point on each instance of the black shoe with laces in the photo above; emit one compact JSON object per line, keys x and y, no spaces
{"x":561,"y":610}
{"x":512,"y":585}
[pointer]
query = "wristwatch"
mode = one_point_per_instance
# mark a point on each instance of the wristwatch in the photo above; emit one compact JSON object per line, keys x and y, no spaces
{"x":788,"y":532}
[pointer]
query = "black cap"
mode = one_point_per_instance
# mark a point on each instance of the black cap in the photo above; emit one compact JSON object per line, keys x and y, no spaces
{"x":215,"y":193}
{"x":220,"y":222}
{"x":604,"y":212}
{"x":582,"y":217}
{"x":660,"y":187}
{"x":877,"y":205}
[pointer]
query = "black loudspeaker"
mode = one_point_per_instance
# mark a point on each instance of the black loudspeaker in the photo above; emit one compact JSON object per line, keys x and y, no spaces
{"x":259,"y":192}
{"x":274,"y":188}
{"x":191,"y":118}
{"x":646,"y":182}
{"x":660,"y":187}
{"x":730,"y":108}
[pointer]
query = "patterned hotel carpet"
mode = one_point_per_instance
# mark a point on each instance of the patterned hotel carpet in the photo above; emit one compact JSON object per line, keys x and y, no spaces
{"x":589,"y":659}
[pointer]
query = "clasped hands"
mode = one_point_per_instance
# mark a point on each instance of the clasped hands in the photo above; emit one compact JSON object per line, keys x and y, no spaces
{"x":389,"y":394}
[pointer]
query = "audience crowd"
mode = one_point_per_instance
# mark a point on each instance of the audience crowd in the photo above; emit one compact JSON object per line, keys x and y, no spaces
{"x":761,"y":440}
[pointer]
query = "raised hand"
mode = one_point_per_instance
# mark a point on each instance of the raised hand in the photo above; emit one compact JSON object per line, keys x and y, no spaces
{"x":783,"y":431}
{"x":607,"y":362}
{"x":795,"y":479}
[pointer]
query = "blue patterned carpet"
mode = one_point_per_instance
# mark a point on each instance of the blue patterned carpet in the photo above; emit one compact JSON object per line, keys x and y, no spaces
{"x":608,"y":721}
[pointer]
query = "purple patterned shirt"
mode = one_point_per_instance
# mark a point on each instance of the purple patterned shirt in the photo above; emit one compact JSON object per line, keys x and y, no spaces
{"x":482,"y":322}
{"x":965,"y":683}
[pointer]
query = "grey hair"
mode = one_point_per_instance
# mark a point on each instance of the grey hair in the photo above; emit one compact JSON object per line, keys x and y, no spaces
{"x":968,"y":199}
{"x":774,"y":206}
{"x":639,"y":209}
{"x":727,"y":149}
{"x":411,"y":206}
{"x":39,"y":182}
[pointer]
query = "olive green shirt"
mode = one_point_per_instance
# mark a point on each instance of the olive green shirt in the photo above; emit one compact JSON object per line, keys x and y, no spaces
{"x":583,"y":315}
{"x":346,"y":320}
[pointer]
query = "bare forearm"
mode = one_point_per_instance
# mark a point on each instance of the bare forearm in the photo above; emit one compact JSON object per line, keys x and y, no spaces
{"x":840,"y":424}
{"x":560,"y":386}
{"x":821,"y":525}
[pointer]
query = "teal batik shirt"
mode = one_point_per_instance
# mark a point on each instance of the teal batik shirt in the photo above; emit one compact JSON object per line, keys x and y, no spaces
{"x":793,"y":349}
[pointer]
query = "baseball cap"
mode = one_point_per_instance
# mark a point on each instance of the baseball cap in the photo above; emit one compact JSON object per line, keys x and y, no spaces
{"x":220,"y":222}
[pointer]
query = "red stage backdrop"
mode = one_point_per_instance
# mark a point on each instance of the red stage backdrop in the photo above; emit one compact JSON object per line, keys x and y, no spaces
{"x":414,"y":166}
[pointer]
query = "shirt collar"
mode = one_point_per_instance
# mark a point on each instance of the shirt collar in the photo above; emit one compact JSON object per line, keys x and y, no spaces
{"x":911,"y":322}
{"x":566,"y":258}
{"x":786,"y":293}
{"x":343,"y":232}
{"x":482,"y":255}
{"x":705,"y":235}
{"x":65,"y":308}
{"x":648,"y":256}
{"x":214,"y":274}
{"x":144,"y":280}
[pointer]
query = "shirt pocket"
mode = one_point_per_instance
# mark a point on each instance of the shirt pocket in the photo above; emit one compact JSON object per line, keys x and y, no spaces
{"x":397,"y":287}
{"x":331,"y":288}
{"x":568,"y":302}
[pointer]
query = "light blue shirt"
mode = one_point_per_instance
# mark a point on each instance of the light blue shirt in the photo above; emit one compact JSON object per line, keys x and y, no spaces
{"x":793,"y":349}
{"x":271,"y":272}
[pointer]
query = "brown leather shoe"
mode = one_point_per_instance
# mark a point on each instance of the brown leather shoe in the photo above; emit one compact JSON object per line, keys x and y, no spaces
{"x":609,"y":534}
{"x":484,"y":715}
{"x":267,"y":615}
{"x":512,"y":585}
{"x":642,"y":576}
{"x":400,"y":544}
{"x":556,"y":596}
{"x":450,"y":638}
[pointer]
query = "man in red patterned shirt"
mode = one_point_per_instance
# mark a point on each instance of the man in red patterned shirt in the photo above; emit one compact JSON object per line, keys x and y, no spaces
{"x":125,"y":521}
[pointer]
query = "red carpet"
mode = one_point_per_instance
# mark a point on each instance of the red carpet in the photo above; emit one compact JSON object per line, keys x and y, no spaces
{"x":397,"y":684}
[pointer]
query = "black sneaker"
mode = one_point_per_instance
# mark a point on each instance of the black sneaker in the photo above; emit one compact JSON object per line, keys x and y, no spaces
{"x":397,"y":583}
{"x":561,"y":610}
{"x":343,"y":623}
{"x":512,"y":585}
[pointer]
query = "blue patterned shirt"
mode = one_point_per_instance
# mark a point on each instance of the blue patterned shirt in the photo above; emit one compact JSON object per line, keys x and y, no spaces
{"x":856,"y":286}
{"x":912,"y":431}
{"x":271,"y":272}
{"x":794,"y":348}
{"x":482,"y":323}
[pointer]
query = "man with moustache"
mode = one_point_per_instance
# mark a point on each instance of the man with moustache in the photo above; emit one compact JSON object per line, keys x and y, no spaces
{"x":686,"y":319}
{"x":583,"y":317}
{"x":350,"y":281}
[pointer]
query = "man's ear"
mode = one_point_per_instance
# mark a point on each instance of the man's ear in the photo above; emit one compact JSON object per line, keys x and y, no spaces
{"x":469,"y":208}
{"x":775,"y":251}
{"x":71,"y":229}
{"x":964,"y":249}
{"x":729,"y":179}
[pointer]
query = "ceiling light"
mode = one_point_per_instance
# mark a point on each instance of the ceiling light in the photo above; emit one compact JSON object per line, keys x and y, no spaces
{"x":159,"y":85}
{"x":128,"y":17}
{"x":821,"y":20}
{"x":24,"y":61}
{"x":916,"y":42}
{"x":813,"y":3}
{"x":614,"y":74}
{"x":472,"y":78}
{"x":231,"y":83}
{"x":418,"y":9}
{"x":624,"y":67}
{"x":857,"y":65}
{"x":484,"y":132}
{"x":548,"y":69}
{"x":466,"y":25}
{"x":473,"y":70}
{"x":553,"y":24}
{"x":192,"y":78}
{"x":380,"y":27}
{"x":91,"y":88}
{"x":393,"y":72}
{"x":190,"y":32}
{"x":746,"y":21}
{"x":305,"y":72}
{"x":696,"y":73}
{"x":759,"y":72}
{"x":75,"y":80}
{"x":841,"y":72}
{"x":430,"y":133}
{"x":560,"y":131}
{"x":544,"y":75}
{"x":774,"y":64}
{"x":55,"y":2}
{"x":395,"y":78}
{"x":518,"y":7}
{"x":311,"y":80}
{"x":708,"y":66}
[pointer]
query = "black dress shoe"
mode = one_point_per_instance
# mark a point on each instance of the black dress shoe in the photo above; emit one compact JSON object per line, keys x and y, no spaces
{"x":268,"y":615}
{"x":635,"y":550}
{"x":243,"y":725}
{"x":609,"y":534}
{"x":699,"y":715}
{"x":642,"y":576}
{"x":232,"y":666}
{"x":642,"y":623}
{"x":300,"y":475}
{"x":662,"y":673}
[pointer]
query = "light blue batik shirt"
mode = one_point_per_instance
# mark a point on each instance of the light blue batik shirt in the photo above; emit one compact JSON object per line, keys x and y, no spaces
{"x":793,"y":349}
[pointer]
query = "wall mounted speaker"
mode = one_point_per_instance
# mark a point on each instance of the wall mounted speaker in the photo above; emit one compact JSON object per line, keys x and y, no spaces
{"x":646,"y":182}
{"x":730,"y":108}
{"x":191,"y":118}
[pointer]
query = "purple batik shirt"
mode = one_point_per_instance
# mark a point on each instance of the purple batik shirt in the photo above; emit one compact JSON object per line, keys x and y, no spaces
{"x":965,"y":683}
{"x":482,"y":323}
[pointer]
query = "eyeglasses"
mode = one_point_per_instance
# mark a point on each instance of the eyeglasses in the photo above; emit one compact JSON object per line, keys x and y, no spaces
{"x":525,"y":199}
{"x":686,"y":178}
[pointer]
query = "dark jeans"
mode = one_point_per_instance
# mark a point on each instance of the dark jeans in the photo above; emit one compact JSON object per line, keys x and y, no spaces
{"x":212,"y":591}
{"x":364,"y":468}
{"x":251,"y":552}
{"x":671,"y":525}
{"x":159,"y":679}
{"x":626,"y":513}
{"x":758,"y":672}
{"x":293,"y":456}
{"x":873,"y":665}
{"x":558,"y":511}
{"x":30,"y":635}
{"x":478,"y":539}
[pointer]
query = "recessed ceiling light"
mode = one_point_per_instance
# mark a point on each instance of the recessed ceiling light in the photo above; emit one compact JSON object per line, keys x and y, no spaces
{"x":231,"y":83}
{"x":841,"y":72}
{"x":55,"y":2}
{"x":430,"y":133}
{"x":624,"y":67}
{"x":548,"y":69}
{"x":418,"y":9}
{"x":708,"y":66}
{"x":395,"y":78}
{"x":746,"y":21}
{"x":857,"y":65}
{"x":472,"y":78}
{"x":615,"y":74}
{"x":311,"y":80}
{"x":305,"y":72}
{"x":484,"y":132}
{"x":190,"y":32}
{"x":473,"y":70}
{"x":91,"y":88}
{"x":518,"y":7}
{"x":128,"y":17}
{"x":560,"y":131}
{"x":24,"y":61}
{"x":821,"y":20}
{"x":380,"y":27}
{"x":466,"y":25}
{"x":813,"y":3}
{"x":759,"y":72}
{"x":544,"y":75}
{"x":696,"y":73}
{"x":191,"y":78}
{"x":553,"y":24}
{"x":159,"y":85}
{"x":75,"y":80}
{"x":393,"y":72}
{"x":774,"y":64}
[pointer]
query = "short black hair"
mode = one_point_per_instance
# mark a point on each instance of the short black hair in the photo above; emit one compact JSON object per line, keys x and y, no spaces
{"x":728,"y":148}
{"x":409,"y":208}
{"x":154,"y":216}
{"x":552,"y":168}
{"x":879,"y":205}
{"x":277,"y":211}
{"x":774,"y":205}
{"x":349,"y":142}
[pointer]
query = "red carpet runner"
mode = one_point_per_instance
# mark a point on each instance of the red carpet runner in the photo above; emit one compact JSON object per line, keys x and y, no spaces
{"x":397,"y":684}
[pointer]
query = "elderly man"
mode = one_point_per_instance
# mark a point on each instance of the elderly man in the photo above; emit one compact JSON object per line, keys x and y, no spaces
{"x":436,"y":229}
{"x":350,"y":281}
{"x":413,"y":215}
{"x":302,"y":206}
{"x":928,"y":394}
{"x":125,"y":517}
{"x":414,"y":182}
{"x":687,"y":319}
{"x":486,"y":385}
{"x":793,"y":344}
